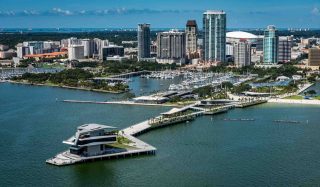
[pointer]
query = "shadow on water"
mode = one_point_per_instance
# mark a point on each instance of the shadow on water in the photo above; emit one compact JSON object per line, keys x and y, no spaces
{"x":99,"y":171}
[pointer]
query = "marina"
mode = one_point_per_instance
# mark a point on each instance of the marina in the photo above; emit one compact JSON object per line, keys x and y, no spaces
{"x":7,"y":73}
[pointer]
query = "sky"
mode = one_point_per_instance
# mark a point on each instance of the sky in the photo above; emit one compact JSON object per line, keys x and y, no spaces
{"x":159,"y":13}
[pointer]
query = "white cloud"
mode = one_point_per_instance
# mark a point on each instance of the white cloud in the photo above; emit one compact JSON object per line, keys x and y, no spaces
{"x":62,"y":12}
{"x":101,"y":12}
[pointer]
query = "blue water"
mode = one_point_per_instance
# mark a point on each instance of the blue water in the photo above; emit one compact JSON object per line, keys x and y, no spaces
{"x":206,"y":152}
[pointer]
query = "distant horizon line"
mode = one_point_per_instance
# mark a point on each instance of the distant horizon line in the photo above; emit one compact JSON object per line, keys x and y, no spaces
{"x":83,"y":29}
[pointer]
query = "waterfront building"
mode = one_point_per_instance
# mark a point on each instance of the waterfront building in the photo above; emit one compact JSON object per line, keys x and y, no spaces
{"x":314,"y":57}
{"x":191,"y":39}
{"x":270,"y":45}
{"x":171,"y":47}
{"x":242,"y":53}
{"x":112,"y":51}
{"x":76,"y":52}
{"x":284,"y":49}
{"x":143,"y":41}
{"x":214,"y":36}
{"x":92,"y":140}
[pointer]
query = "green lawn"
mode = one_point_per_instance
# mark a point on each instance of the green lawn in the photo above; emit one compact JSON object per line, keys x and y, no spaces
{"x":55,"y":65}
{"x":317,"y":97}
{"x":295,"y":97}
{"x":121,"y":146}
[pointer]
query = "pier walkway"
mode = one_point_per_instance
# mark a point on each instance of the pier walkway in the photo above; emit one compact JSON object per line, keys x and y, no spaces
{"x":136,"y":146}
{"x":118,"y":103}
{"x":137,"y":128}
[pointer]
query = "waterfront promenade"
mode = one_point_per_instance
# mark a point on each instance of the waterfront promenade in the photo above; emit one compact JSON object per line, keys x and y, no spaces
{"x":295,"y":101}
{"x":119,"y":103}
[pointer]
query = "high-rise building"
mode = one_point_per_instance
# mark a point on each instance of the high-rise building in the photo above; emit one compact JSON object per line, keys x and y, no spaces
{"x":76,"y":52}
{"x":88,"y":45}
{"x":143,"y":41}
{"x":35,"y":47}
{"x":22,"y":50}
{"x":191,"y":39}
{"x":242,"y":53}
{"x":98,"y":44}
{"x":284,"y":49}
{"x":214,"y":36}
{"x":270,"y":45}
{"x":171,"y":47}
{"x":74,"y":41}
{"x":229,"y":49}
{"x":153,"y":49}
{"x":259,"y":45}
{"x":314,"y":57}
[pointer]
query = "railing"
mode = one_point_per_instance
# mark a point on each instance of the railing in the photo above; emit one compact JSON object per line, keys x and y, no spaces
{"x":167,"y":121}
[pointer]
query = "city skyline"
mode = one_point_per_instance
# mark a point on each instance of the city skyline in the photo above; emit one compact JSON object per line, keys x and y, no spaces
{"x":125,"y":13}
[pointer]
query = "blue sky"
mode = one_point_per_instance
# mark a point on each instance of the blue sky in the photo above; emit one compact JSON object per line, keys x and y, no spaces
{"x":160,"y":13}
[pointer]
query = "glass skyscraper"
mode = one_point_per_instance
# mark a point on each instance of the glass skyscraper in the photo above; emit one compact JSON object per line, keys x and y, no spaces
{"x":143,"y":41}
{"x":214,"y":36}
{"x":270,"y":45}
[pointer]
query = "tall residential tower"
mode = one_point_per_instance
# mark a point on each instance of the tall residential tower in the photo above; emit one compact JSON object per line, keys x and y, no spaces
{"x":191,"y":39}
{"x":171,"y":47}
{"x":214,"y":36}
{"x":143,"y":41}
{"x":270,"y":45}
{"x":284,"y":48}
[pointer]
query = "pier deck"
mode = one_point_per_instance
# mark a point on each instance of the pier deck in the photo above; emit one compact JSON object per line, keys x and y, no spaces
{"x":138,"y":147}
{"x":137,"y":128}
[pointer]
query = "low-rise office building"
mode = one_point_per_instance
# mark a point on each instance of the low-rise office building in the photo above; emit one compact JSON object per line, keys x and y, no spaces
{"x":111,"y":51}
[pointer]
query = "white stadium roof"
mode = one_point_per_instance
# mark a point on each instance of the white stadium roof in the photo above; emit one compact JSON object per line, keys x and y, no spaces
{"x":241,"y":35}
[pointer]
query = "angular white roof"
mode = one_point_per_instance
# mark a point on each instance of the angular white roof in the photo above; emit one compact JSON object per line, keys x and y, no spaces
{"x":93,"y":127}
{"x":241,"y":35}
